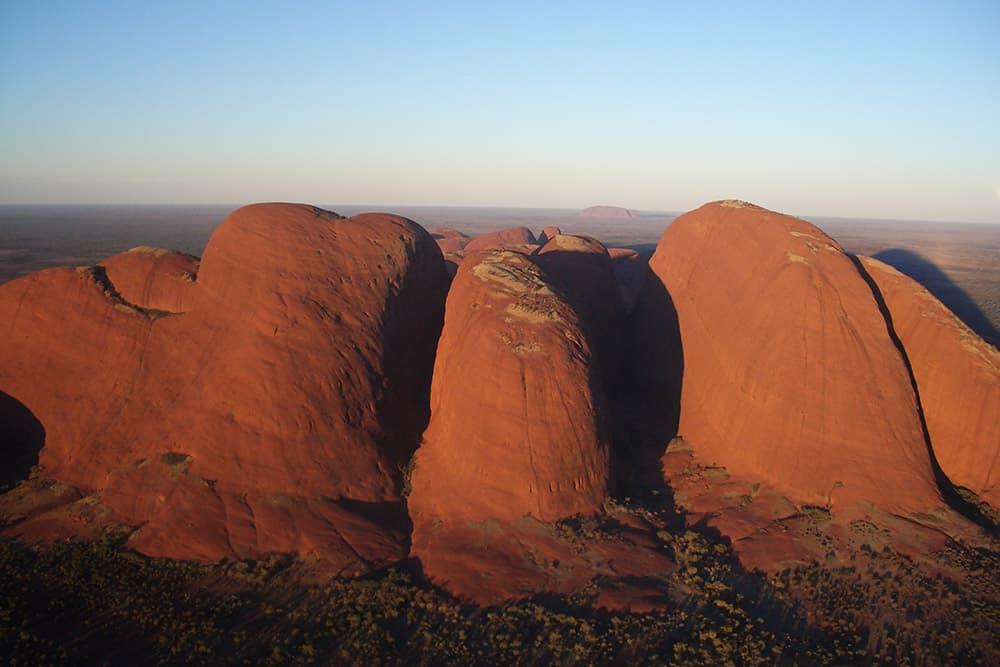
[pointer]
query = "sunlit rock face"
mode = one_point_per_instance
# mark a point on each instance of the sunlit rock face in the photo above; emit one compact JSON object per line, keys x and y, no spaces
{"x":272,"y":415}
{"x":957,"y":376}
{"x":766,"y":350}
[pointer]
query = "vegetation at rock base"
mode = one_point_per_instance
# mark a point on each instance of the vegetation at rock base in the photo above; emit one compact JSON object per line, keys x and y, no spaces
{"x":79,"y":602}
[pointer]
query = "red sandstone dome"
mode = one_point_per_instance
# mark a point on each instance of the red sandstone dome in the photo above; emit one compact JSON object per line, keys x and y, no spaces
{"x":548,"y":234}
{"x":273,"y":415}
{"x":516,"y":415}
{"x":514,"y":238}
{"x":580,"y":268}
{"x":518,"y":439}
{"x":70,"y":354}
{"x":958,"y":380}
{"x":450,"y":241}
{"x":782,"y":361}
{"x":153,"y":278}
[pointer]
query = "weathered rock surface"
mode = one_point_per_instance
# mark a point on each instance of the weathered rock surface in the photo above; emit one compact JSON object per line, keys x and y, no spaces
{"x":153,"y":278}
{"x":958,"y":380}
{"x":518,"y":440}
{"x":70,"y":358}
{"x":548,"y":234}
{"x":581,"y":268}
{"x":273,"y":415}
{"x":761,"y":330}
{"x":517,"y":410}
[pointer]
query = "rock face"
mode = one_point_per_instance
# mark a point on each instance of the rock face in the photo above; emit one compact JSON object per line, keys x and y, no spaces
{"x":609,"y":213}
{"x":153,"y":278}
{"x":580,"y":268}
{"x":516,"y":411}
{"x":958,"y":380}
{"x":518,"y":440}
{"x":515,"y":238}
{"x":548,"y":234}
{"x":70,"y":356}
{"x":452,"y":245}
{"x":450,"y":241}
{"x":783,"y":363}
{"x":273,"y":415}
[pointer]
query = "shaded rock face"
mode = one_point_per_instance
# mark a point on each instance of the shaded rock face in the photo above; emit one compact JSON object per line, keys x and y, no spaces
{"x":608,"y":213}
{"x":580,"y":268}
{"x":958,"y":380}
{"x":153,"y":278}
{"x":763,"y":346}
{"x":518,"y":439}
{"x":274,"y":414}
{"x":515,"y":238}
{"x":631,"y":270}
{"x":22,"y":437}
{"x":548,"y":234}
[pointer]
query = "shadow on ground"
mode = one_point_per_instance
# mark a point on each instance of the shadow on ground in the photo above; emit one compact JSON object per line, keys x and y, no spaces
{"x":943,"y":288}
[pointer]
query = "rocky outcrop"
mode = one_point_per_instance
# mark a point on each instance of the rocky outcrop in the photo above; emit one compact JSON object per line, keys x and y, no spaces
{"x":957,"y":376}
{"x":767,"y":352}
{"x":274,"y":414}
{"x":580,"y":268}
{"x":515,"y":238}
{"x":519,"y":433}
{"x":153,"y":278}
{"x":548,"y":234}
{"x":517,"y":410}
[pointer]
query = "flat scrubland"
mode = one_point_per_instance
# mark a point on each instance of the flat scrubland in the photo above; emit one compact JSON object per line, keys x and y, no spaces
{"x":96,"y":602}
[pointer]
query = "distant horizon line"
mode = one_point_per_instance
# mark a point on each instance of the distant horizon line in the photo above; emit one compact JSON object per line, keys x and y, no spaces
{"x":384,"y":208}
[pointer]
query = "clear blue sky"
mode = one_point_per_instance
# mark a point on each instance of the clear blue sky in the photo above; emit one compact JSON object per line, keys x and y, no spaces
{"x":877,"y":109}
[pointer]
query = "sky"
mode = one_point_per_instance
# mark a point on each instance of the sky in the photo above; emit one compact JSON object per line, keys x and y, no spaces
{"x":869,"y":109}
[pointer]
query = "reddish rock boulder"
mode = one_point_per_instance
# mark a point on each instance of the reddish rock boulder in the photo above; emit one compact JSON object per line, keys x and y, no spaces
{"x":548,"y":234}
{"x":276,"y":412}
{"x":70,"y":355}
{"x":580,"y":268}
{"x":783,"y":364}
{"x":958,"y":379}
{"x":517,"y":411}
{"x":452,"y":245}
{"x":153,"y":278}
{"x":518,"y":440}
{"x":450,"y":241}
{"x":515,"y":238}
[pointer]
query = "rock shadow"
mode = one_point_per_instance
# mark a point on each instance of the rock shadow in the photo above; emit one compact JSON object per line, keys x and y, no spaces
{"x":648,"y":413}
{"x":957,"y":300}
{"x":22,"y":437}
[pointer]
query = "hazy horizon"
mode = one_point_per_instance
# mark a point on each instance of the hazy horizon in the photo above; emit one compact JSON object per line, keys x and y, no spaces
{"x":387,"y":208}
{"x":887,"y":112}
